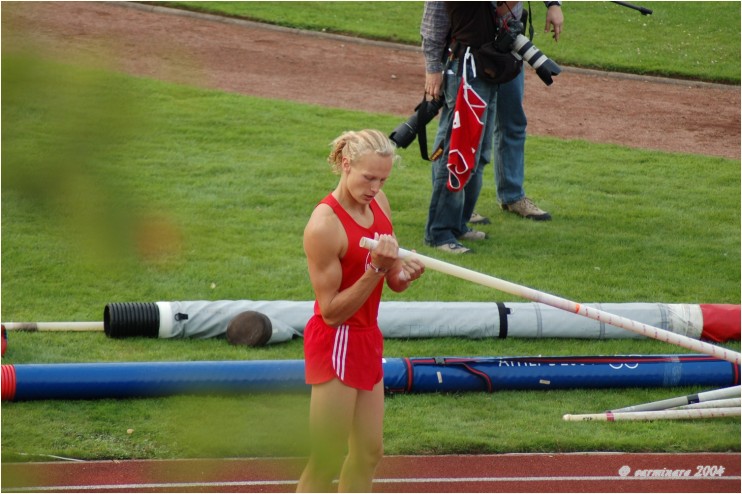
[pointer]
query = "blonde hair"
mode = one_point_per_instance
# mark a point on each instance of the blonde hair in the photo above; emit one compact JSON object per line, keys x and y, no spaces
{"x":354,"y":144}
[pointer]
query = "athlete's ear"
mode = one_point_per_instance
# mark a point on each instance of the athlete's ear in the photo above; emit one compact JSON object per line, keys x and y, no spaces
{"x":345,"y":163}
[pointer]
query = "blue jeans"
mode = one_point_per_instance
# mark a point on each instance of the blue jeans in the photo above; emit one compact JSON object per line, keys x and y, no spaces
{"x":510,"y":139}
{"x":449,"y":212}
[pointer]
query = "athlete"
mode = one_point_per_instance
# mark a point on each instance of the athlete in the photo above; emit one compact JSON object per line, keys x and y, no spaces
{"x":343,"y":345}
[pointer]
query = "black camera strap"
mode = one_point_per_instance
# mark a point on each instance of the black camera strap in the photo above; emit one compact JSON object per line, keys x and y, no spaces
{"x":422,"y":134}
{"x":528,"y":16}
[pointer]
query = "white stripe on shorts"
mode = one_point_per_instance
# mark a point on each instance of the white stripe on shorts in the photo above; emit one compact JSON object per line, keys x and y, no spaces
{"x":340,"y":350}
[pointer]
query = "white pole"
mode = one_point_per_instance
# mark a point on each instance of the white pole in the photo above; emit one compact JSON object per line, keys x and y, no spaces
{"x":731,"y":392}
{"x":729,"y":402}
{"x":567,"y":305}
{"x":53,"y":326}
{"x":703,"y":413}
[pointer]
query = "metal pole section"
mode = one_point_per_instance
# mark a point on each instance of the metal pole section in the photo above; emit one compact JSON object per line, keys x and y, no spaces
{"x":643,"y":10}
{"x":567,"y":305}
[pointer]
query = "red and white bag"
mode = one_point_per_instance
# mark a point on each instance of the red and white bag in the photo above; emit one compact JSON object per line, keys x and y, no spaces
{"x":466,"y":130}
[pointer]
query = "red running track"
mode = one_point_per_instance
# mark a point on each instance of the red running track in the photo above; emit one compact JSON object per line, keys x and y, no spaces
{"x":576,"y":472}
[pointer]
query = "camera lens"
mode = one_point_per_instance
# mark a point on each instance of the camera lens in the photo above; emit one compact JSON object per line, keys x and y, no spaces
{"x":406,"y":132}
{"x":544,"y":66}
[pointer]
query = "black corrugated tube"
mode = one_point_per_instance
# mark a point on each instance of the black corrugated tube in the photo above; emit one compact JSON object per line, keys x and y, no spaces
{"x":126,"y":319}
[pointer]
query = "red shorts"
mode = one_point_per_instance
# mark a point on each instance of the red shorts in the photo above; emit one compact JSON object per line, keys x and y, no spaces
{"x":352,"y":355}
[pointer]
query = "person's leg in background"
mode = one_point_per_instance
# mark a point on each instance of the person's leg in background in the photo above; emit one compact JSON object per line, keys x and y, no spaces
{"x":444,"y":222}
{"x":510,"y":141}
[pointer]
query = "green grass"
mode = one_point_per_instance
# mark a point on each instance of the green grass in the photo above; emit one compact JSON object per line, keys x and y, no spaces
{"x":696,"y":40}
{"x":93,"y":161}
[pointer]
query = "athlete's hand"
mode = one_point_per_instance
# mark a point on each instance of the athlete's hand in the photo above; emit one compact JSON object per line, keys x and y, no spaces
{"x":386,"y":252}
{"x":412,"y":269}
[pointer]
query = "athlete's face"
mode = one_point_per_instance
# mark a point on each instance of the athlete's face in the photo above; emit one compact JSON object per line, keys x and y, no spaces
{"x":367,"y":176}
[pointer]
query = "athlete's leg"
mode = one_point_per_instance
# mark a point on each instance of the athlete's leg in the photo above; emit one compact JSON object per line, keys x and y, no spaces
{"x":331,"y":412}
{"x":366,"y":446}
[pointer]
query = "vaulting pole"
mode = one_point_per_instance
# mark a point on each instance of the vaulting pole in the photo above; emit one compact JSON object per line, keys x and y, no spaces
{"x":53,"y":326}
{"x":724,"y":403}
{"x":703,"y":413}
{"x":731,"y":392}
{"x":567,"y":305}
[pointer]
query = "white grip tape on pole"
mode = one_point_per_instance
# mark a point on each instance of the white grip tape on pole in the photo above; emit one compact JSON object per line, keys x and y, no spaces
{"x":564,"y":304}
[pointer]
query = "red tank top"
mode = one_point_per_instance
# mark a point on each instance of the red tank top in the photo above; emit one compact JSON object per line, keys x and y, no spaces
{"x":356,"y":259}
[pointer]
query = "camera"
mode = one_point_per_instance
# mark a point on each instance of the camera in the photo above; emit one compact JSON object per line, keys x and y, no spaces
{"x":510,"y":39}
{"x":406,"y":132}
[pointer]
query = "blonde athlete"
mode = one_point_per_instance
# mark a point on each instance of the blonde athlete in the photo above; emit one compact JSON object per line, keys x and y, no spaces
{"x":343,"y":345}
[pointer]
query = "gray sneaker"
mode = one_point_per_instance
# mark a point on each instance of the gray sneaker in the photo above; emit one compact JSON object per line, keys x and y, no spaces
{"x":478,"y":219}
{"x":473,"y":235}
{"x":453,"y":248}
{"x":527,"y":209}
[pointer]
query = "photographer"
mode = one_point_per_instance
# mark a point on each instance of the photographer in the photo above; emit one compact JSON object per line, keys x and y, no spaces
{"x":447,"y":30}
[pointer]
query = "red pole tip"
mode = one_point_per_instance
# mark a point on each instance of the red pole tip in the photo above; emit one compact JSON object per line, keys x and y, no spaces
{"x":721,"y":322}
